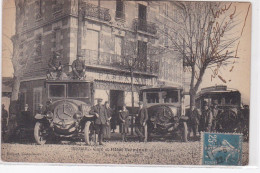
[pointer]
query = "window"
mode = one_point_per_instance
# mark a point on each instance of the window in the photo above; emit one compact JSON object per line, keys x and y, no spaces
{"x":39,"y":9}
{"x":170,"y":96}
{"x":57,"y":90}
{"x":80,"y":90}
{"x":120,"y":9}
{"x":152,"y":97}
{"x":38,"y":45}
{"x":37,"y":98}
{"x":92,"y":44}
{"x":142,"y":55}
{"x":142,"y":17}
{"x":118,"y":45}
{"x":57,"y":36}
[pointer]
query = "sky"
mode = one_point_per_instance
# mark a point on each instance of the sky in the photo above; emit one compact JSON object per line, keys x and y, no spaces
{"x":238,"y":78}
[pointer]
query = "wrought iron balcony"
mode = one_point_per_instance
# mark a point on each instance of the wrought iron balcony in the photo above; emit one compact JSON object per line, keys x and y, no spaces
{"x":94,"y":11}
{"x":117,"y":62}
{"x":145,"y":26}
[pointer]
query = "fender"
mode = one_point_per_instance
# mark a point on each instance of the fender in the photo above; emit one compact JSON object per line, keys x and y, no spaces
{"x":39,"y":116}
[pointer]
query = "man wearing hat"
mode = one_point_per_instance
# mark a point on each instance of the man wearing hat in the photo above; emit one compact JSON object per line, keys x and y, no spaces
{"x":78,"y":67}
{"x":123,"y":117}
{"x":140,"y":122}
{"x":193,"y":121}
{"x":55,"y":65}
{"x":214,"y":115}
{"x":101,"y":119}
{"x":206,"y":118}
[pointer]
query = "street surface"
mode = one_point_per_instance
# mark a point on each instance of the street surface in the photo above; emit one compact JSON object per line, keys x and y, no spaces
{"x":114,"y":152}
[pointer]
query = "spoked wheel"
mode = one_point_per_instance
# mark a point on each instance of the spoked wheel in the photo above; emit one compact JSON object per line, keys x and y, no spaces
{"x":40,"y":133}
{"x":89,"y":133}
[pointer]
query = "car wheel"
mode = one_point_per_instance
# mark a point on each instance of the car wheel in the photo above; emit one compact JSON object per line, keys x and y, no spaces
{"x":89,"y":132}
{"x":40,"y":133}
{"x":185,"y":132}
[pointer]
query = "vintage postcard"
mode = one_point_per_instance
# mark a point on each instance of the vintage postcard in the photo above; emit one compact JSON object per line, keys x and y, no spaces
{"x":126,"y":82}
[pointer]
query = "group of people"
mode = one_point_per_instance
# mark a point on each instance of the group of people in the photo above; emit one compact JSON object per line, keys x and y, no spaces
{"x":103,"y":115}
{"x":56,"y":67}
{"x":205,"y":121}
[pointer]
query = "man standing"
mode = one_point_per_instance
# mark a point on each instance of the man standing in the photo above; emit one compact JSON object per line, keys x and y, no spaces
{"x":123,"y":117}
{"x":206,"y":118}
{"x":140,"y":122}
{"x":55,"y":65}
{"x":78,"y":68}
{"x":25,"y":118}
{"x":100,"y":121}
{"x":215,"y":116}
{"x":193,"y":122}
{"x":107,"y":130}
{"x":4,"y":121}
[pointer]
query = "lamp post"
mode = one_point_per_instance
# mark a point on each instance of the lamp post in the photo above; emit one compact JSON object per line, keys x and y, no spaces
{"x":131,"y":63}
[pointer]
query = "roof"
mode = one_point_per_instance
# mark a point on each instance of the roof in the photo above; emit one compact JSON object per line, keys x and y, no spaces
{"x":216,"y":90}
{"x":161,"y":87}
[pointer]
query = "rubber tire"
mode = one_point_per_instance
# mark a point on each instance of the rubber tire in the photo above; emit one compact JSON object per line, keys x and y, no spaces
{"x":36,"y":134}
{"x":86,"y":132}
{"x":185,"y":132}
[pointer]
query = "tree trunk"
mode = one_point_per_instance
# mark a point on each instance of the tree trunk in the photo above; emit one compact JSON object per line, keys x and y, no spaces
{"x":13,"y":110}
{"x":192,"y":96}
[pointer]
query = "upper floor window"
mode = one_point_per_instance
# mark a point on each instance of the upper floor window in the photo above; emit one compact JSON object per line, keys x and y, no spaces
{"x":142,"y":55}
{"x":39,"y":8}
{"x":38,"y":45}
{"x":120,"y":12}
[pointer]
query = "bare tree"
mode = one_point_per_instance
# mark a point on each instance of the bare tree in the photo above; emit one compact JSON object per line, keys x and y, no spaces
{"x":205,"y":36}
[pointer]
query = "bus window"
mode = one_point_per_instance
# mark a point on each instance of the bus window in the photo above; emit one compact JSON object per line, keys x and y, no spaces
{"x":56,"y":90}
{"x":170,"y":97}
{"x":78,"y":90}
{"x":152,"y":97}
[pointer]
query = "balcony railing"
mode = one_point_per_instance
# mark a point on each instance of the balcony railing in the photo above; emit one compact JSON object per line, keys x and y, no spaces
{"x":95,"y":58}
{"x":145,"y":26}
{"x":97,"y":12}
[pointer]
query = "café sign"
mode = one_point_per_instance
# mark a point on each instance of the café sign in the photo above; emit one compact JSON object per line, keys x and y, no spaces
{"x":121,"y":78}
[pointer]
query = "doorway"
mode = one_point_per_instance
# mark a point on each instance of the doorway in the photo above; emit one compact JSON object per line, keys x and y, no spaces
{"x":116,"y":99}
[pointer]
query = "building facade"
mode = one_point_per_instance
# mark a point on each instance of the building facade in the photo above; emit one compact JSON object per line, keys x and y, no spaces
{"x":105,"y":33}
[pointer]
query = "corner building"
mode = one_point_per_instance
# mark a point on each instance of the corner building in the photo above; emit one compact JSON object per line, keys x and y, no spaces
{"x":101,"y":31}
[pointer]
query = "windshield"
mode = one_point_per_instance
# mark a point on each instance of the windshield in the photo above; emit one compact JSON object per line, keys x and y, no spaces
{"x":57,"y":90}
{"x":79,"y":90}
{"x":170,"y":96}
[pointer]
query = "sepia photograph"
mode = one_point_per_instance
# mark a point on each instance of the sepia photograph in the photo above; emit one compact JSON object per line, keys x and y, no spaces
{"x":126,"y":82}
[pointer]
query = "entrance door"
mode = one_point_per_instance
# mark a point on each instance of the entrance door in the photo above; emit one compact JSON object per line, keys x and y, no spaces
{"x":116,"y":99}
